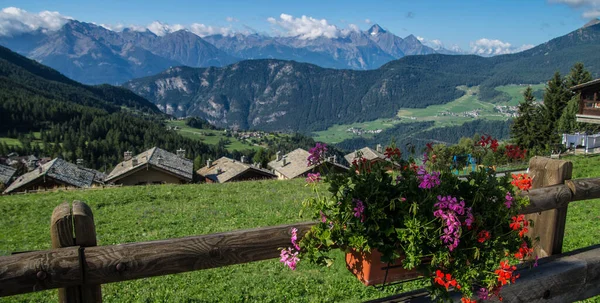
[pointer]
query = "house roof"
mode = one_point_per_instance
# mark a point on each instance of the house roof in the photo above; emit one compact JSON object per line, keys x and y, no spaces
{"x":229,"y":169}
{"x":367,"y":153}
{"x":6,"y":173}
{"x":22,"y":159}
{"x":60,"y":170}
{"x":156,"y":157}
{"x":586,"y":84}
{"x":296,"y":164}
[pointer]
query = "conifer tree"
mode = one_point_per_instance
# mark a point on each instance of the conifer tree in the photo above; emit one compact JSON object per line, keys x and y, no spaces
{"x":556,"y":98}
{"x":578,"y":75}
{"x":521,"y":127}
{"x":568,"y":120}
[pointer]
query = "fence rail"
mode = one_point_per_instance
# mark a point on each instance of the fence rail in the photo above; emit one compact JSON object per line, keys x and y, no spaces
{"x":86,"y":266}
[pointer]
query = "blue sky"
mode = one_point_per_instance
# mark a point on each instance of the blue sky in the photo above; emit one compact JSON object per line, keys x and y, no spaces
{"x":460,"y":23}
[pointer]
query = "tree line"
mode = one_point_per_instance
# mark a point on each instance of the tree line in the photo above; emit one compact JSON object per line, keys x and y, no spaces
{"x":540,"y":125}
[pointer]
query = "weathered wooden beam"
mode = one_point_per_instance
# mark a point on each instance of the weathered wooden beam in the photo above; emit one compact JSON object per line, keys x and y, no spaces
{"x":85,"y":236}
{"x":562,"y":278}
{"x":584,"y":189}
{"x":61,"y":234}
{"x":115,"y":263}
{"x":35,"y":271}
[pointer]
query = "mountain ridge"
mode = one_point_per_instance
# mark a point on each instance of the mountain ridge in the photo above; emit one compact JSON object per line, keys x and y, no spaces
{"x":292,"y":96}
{"x":93,"y":54}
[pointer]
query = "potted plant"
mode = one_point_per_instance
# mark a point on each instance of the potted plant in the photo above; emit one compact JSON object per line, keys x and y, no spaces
{"x":463,"y":234}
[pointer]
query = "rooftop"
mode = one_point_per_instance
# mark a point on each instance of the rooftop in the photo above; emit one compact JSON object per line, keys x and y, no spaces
{"x":224,"y":169}
{"x":367,"y":153}
{"x":296,"y":164}
{"x":60,"y":170}
{"x":584,"y":85}
{"x":158,"y":158}
{"x":6,"y":173}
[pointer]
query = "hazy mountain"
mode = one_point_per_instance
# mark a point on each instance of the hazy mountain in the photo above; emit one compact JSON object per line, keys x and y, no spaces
{"x":93,"y":54}
{"x":284,"y":95}
{"x":354,"y":49}
{"x":592,"y":22}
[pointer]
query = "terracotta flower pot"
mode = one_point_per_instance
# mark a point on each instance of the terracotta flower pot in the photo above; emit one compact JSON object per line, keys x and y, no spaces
{"x":369,"y":269}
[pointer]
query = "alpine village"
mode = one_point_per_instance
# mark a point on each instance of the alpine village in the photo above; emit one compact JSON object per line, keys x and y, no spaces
{"x":300,"y":152}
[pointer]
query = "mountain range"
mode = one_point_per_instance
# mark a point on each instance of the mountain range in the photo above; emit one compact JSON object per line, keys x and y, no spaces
{"x":293,"y":96}
{"x":92,"y":54}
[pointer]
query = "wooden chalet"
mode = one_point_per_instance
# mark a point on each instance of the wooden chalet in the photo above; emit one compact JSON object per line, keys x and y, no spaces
{"x":294,"y":165}
{"x":589,"y":102}
{"x":373,"y":155}
{"x":57,"y":173}
{"x":154,"y":166}
{"x":229,"y":170}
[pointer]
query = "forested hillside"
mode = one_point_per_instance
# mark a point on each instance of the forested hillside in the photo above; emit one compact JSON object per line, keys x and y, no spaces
{"x":420,"y":133}
{"x":286,"y":95}
{"x":94,"y":123}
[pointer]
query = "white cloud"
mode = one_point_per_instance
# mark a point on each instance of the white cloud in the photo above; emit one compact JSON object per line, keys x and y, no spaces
{"x":15,"y":21}
{"x":590,"y":8}
{"x":161,"y":29}
{"x":493,"y":47}
{"x":437,"y":44}
{"x":591,"y":14}
{"x":305,"y":27}
{"x":489,"y":47}
{"x":368,"y":21}
{"x":206,"y":30}
{"x":231,"y":19}
{"x":578,"y":3}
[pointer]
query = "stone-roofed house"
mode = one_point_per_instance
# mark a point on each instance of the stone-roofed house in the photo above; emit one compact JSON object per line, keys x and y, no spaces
{"x":367,"y":153}
{"x":6,"y":175}
{"x":154,"y":166}
{"x":57,"y":173}
{"x":294,"y":165}
{"x":229,"y":170}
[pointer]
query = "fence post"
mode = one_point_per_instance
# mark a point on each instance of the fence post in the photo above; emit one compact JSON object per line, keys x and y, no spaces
{"x":549,"y":225}
{"x":75,"y":227}
{"x":61,"y":233}
{"x":85,"y":236}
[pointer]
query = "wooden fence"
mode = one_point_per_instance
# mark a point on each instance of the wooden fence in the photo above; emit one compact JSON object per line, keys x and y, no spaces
{"x":79,"y":267}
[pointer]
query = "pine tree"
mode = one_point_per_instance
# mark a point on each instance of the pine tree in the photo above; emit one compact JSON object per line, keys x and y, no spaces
{"x":521,"y":127}
{"x":578,"y":75}
{"x":568,"y":120}
{"x":556,"y":98}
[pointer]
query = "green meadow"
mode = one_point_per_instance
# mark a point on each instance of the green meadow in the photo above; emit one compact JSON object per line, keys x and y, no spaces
{"x":144,"y":213}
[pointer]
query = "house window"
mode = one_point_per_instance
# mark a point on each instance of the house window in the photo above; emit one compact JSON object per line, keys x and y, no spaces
{"x":592,"y":105}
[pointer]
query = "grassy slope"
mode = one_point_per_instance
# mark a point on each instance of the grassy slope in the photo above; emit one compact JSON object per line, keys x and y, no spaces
{"x":516,"y":91}
{"x":468,"y":102}
{"x":212,"y":139}
{"x":145,"y":213}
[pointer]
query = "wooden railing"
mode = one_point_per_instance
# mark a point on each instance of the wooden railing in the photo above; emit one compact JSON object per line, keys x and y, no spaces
{"x":79,"y":267}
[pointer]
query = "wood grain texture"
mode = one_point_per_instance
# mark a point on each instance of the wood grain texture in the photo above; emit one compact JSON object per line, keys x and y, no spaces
{"x":547,"y":198}
{"x":61,"y":226}
{"x":584,"y":189}
{"x":61,"y":233}
{"x":115,"y":263}
{"x":35,"y":271}
{"x":549,"y":225}
{"x":85,"y":236}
